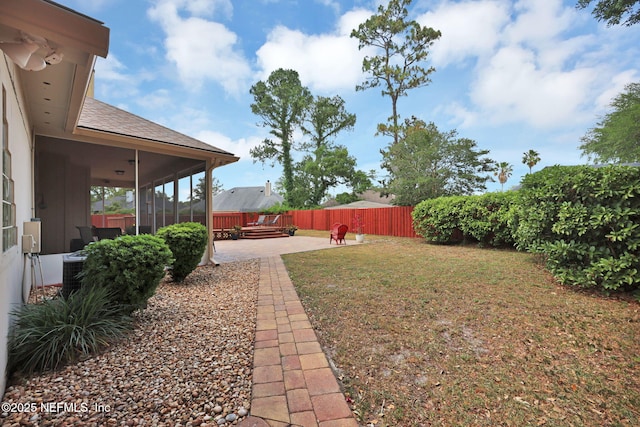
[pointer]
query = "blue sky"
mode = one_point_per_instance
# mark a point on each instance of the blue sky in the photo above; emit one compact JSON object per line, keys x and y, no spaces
{"x":511,"y":75}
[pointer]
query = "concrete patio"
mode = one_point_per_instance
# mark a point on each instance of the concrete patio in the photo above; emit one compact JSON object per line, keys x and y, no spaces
{"x":243,"y":249}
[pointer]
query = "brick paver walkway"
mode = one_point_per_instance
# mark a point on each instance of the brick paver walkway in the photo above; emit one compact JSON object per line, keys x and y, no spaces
{"x":293,"y":383}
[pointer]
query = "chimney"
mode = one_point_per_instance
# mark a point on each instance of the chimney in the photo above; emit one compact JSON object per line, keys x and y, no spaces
{"x":267,"y":189}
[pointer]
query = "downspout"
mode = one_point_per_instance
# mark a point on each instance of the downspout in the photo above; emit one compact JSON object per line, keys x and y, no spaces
{"x":33,"y":173}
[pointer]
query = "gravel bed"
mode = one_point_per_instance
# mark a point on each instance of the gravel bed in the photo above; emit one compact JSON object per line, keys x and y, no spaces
{"x":188,"y":362}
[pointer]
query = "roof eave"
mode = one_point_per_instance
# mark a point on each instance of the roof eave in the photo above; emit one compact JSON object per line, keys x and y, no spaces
{"x":218,"y":158}
{"x":53,"y":21}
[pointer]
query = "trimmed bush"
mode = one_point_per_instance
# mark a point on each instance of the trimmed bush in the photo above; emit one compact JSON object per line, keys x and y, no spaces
{"x":586,"y":221}
{"x":187,"y":241}
{"x":130,"y":267}
{"x":438,"y":220}
{"x":55,"y":332}
{"x":485,"y":218}
{"x":452,"y":219}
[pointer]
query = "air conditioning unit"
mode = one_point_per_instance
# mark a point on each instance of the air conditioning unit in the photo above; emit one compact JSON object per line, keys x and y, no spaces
{"x":71,"y":268}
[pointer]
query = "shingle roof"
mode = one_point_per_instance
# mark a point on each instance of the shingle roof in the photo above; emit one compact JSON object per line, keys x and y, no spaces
{"x":97,"y":115}
{"x":245,"y":199}
{"x":360,"y":204}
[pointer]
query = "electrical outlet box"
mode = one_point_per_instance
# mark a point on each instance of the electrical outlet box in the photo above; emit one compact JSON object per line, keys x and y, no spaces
{"x":33,"y":229}
{"x":28,"y":244}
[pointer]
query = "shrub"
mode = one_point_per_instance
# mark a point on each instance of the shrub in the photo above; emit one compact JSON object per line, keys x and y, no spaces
{"x":50,"y":334}
{"x":438,"y":220}
{"x":187,"y":241}
{"x":586,"y":221}
{"x":485,"y":218}
{"x":131,"y":267}
{"x":452,"y":219}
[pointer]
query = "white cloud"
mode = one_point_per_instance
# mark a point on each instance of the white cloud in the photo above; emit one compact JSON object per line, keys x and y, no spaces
{"x":114,"y":79}
{"x":326,"y":62}
{"x":208,"y":7}
{"x":201,"y":49}
{"x":160,"y":98}
{"x":513,"y":87}
{"x":469,"y":29}
{"x":616,"y":87}
{"x":530,"y":65}
{"x":333,"y":4}
{"x":111,"y":68}
{"x":539,"y":21}
{"x":239,"y":147}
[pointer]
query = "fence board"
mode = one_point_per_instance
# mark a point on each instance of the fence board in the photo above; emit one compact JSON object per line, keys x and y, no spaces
{"x":392,"y":221}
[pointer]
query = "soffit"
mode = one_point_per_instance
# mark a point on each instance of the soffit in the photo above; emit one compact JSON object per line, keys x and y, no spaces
{"x":54,"y":95}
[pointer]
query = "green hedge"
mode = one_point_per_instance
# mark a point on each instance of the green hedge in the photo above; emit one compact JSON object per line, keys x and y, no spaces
{"x":131,"y":267}
{"x":586,"y":221}
{"x":187,"y":241}
{"x":487,"y":218}
{"x":484,"y":218}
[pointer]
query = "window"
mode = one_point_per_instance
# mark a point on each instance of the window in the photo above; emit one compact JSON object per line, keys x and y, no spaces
{"x":9,"y":229}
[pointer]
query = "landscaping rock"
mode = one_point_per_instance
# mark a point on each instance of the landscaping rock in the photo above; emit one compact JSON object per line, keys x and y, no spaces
{"x":189,"y":357}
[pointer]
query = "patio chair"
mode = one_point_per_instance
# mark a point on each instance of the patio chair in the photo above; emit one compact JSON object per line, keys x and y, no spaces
{"x":275,"y":220}
{"x":260,"y":221}
{"x":108,"y":233}
{"x":86,"y":234}
{"x":86,"y":237}
{"x":144,"y":229}
{"x":338,"y":231}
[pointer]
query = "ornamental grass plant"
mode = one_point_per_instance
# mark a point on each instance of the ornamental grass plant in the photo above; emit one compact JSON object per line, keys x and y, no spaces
{"x":50,"y":334}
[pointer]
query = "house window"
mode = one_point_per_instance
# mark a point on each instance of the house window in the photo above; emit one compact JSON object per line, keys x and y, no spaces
{"x":9,"y":229}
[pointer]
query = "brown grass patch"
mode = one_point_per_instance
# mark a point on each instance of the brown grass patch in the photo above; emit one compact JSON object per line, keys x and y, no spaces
{"x":452,"y":335}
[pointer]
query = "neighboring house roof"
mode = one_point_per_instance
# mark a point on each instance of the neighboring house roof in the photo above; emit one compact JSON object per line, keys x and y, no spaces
{"x":99,"y":116}
{"x":245,"y":199}
{"x":377,"y":197}
{"x":361,"y":204}
{"x":125,"y":202}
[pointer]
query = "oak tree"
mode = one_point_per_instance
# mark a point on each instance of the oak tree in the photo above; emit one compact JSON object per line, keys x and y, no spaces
{"x":614,"y":12}
{"x":427,"y":163}
{"x":616,"y":138}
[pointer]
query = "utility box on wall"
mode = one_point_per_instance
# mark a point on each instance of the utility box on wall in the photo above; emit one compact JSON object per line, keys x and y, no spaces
{"x":32,"y":244}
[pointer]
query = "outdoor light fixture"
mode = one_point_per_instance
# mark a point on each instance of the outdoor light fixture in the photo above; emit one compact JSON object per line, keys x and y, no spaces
{"x":119,"y":172}
{"x":20,"y":53}
{"x":24,"y":52}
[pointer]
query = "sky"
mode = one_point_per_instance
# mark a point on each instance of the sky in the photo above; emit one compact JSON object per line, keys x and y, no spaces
{"x":511,"y":75}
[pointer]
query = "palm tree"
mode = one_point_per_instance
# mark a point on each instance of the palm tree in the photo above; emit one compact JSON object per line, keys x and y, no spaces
{"x":503,"y":172}
{"x":531,"y":158}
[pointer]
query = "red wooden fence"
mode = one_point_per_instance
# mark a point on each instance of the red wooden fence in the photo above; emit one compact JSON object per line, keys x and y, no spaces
{"x":113,"y":220}
{"x":392,"y":221}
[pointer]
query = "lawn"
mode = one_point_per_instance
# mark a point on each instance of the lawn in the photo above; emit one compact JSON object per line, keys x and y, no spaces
{"x":428,"y":335}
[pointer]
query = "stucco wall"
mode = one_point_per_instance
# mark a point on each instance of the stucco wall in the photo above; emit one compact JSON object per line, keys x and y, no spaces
{"x":12,"y":262}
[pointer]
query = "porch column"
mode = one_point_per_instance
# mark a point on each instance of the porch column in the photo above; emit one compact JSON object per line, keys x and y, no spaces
{"x":137,"y":195}
{"x":208,"y":202}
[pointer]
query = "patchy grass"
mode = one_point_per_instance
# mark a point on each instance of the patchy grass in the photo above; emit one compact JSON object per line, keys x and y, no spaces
{"x":451,"y":335}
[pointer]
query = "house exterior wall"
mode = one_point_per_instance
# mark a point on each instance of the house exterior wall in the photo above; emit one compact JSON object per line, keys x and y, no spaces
{"x":12,"y":261}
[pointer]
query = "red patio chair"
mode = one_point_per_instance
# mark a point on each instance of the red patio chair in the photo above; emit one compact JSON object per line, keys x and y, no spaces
{"x":338,"y":232}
